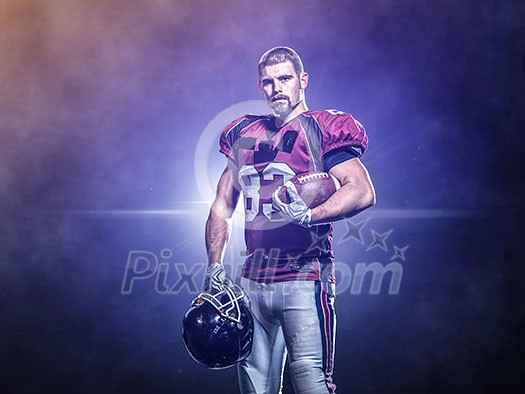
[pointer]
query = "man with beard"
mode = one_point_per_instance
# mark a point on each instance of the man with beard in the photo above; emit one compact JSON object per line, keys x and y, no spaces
{"x":288,"y":274}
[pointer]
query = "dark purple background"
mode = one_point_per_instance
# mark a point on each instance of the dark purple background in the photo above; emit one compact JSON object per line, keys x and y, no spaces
{"x":102,"y":104}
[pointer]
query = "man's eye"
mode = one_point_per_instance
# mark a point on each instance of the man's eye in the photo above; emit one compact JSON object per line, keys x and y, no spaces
{"x":284,"y":79}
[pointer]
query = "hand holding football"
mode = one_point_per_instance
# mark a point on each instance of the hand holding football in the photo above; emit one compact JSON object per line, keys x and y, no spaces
{"x":313,"y":187}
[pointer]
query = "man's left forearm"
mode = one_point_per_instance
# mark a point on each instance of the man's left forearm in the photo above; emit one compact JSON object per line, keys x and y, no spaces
{"x":355,"y":195}
{"x":348,"y":201}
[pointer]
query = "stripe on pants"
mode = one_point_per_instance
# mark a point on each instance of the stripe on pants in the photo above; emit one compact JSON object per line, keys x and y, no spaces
{"x":326,"y":314}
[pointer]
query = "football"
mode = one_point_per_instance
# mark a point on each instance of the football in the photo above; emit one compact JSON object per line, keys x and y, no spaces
{"x":313,"y":187}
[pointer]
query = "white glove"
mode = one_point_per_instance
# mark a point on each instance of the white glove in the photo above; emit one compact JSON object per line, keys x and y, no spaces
{"x":296,"y":211}
{"x":216,"y":278}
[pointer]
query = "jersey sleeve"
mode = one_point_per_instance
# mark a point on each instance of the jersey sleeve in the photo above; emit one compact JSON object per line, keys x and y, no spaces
{"x":228,"y":137}
{"x":341,"y":130}
{"x":225,"y":140}
{"x":228,"y":141}
{"x":338,"y":156}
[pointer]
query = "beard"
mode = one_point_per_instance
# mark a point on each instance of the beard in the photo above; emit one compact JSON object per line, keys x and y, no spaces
{"x":281,"y":108}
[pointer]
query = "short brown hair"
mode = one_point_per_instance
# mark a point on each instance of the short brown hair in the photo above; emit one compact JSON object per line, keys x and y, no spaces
{"x":281,"y":54}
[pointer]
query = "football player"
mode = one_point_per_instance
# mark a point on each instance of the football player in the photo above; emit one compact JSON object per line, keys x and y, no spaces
{"x":288,"y":274}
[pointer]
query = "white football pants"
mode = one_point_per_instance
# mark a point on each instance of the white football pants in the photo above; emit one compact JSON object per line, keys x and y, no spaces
{"x":295,"y":319}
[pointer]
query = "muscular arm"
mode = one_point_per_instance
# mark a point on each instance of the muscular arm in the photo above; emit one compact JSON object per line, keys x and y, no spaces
{"x":355,"y":195}
{"x":218,"y":225}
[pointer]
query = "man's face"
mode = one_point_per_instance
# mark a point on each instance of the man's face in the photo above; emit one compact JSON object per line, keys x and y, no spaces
{"x":283,"y":88}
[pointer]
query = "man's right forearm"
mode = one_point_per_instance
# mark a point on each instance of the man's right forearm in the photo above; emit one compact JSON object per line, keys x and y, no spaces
{"x":218,"y":228}
{"x":218,"y":225}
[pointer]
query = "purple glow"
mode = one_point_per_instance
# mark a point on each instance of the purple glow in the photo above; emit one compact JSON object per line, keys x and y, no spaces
{"x":102,"y":104}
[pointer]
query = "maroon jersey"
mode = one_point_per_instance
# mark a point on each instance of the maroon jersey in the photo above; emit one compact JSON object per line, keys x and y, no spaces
{"x":266,"y":157}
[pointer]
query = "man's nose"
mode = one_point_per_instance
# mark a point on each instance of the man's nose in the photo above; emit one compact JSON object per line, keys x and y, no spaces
{"x":277,"y":87}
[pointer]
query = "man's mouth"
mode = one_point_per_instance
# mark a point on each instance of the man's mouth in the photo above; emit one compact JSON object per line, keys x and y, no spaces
{"x":277,"y":98}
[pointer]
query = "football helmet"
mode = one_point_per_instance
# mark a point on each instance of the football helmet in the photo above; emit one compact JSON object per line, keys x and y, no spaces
{"x":218,"y":328}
